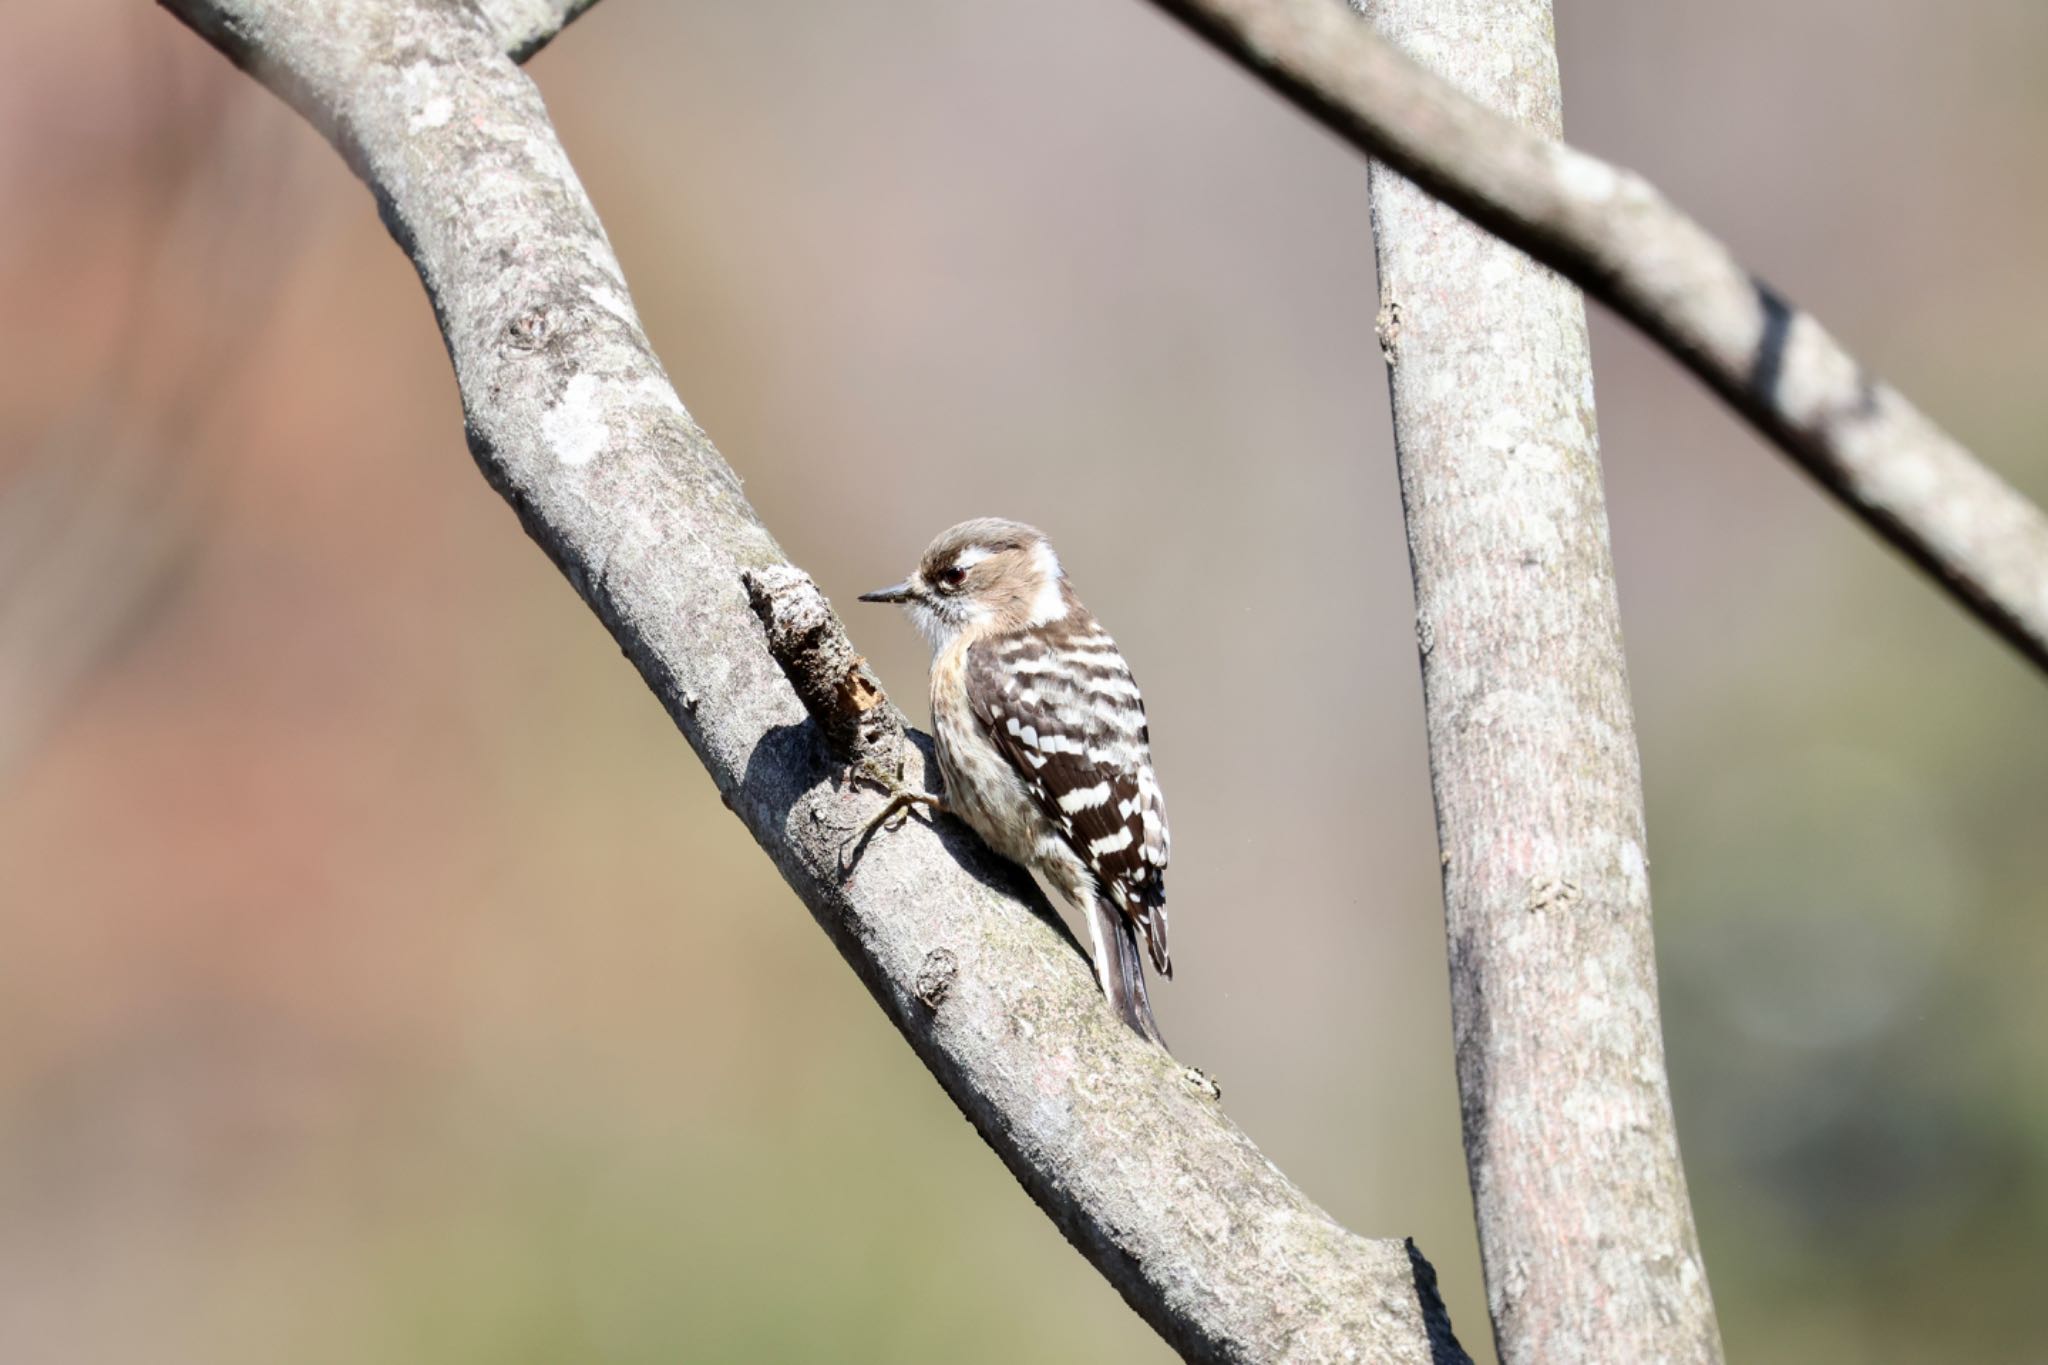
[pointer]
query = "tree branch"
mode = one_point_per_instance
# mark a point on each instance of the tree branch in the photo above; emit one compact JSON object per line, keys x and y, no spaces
{"x":1585,"y":1230}
{"x":1626,"y":245}
{"x":571,"y":418}
{"x":526,"y":26}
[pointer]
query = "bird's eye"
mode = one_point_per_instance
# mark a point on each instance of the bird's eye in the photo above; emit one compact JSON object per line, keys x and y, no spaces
{"x":952,"y":578}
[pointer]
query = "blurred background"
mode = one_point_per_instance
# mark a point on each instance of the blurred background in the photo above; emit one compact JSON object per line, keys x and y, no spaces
{"x":380,"y":979}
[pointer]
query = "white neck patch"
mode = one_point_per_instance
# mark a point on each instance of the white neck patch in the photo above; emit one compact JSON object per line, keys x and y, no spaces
{"x":1050,"y":604}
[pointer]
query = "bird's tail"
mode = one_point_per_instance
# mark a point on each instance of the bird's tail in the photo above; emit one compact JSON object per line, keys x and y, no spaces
{"x":1120,"y":965}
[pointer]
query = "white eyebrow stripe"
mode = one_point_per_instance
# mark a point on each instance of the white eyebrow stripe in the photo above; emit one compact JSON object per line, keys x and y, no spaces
{"x":971,"y":556}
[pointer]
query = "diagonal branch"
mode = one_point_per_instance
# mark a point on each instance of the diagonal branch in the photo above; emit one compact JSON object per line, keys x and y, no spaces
{"x":571,"y":418}
{"x":1612,"y":233}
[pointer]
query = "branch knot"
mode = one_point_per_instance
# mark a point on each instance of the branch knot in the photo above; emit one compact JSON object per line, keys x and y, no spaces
{"x":835,"y":684}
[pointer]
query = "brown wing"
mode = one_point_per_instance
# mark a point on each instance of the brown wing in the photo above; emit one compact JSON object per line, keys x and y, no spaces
{"x":1063,"y":708}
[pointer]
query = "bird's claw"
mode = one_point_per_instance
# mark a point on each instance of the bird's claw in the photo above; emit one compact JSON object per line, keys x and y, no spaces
{"x":892,"y":814}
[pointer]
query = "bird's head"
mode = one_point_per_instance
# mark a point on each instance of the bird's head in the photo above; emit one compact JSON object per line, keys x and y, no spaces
{"x":983,"y":576}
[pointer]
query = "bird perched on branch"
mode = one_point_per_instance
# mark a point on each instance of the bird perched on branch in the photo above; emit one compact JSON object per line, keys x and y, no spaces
{"x":1042,"y":740}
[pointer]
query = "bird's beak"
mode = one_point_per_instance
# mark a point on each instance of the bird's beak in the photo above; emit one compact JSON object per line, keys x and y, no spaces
{"x":901,"y":592}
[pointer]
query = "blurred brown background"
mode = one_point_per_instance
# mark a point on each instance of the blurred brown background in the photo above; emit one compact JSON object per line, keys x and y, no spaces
{"x":380,"y":979}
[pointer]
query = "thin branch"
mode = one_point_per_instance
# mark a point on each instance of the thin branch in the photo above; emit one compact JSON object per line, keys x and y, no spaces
{"x":1626,"y":245}
{"x":571,"y":418}
{"x":526,"y":26}
{"x":1585,"y":1230}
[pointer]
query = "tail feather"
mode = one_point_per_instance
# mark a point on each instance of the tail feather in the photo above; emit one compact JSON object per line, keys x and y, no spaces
{"x":1120,"y":965}
{"x":1152,"y":922}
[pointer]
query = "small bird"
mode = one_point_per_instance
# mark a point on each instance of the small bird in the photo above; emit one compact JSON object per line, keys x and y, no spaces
{"x":1042,"y":740}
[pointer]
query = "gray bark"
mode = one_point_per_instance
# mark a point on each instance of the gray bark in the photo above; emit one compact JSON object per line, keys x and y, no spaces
{"x":526,"y":26}
{"x":1627,"y":246}
{"x":1585,"y":1230}
{"x":571,"y":418}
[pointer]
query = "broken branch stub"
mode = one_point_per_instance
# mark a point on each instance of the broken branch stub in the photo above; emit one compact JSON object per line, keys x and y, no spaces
{"x":835,"y":684}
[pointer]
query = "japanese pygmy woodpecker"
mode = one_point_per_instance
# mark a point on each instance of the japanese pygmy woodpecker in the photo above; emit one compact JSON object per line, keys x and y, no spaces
{"x":1042,"y":740}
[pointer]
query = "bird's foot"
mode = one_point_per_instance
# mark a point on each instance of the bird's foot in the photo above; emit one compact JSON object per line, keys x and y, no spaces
{"x":892,"y":814}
